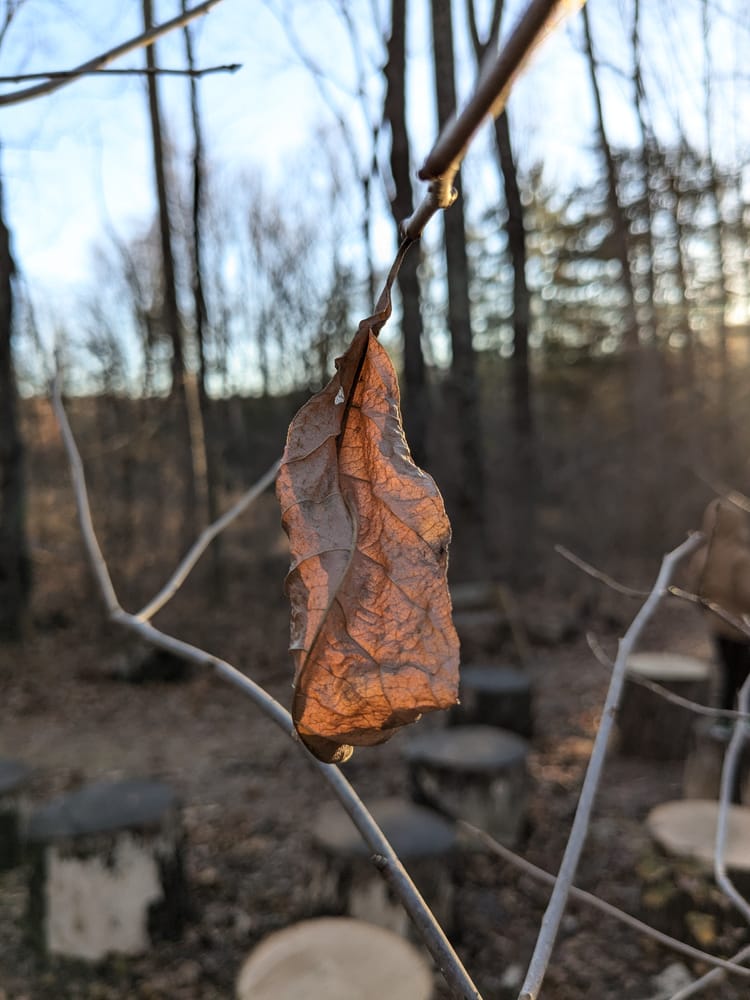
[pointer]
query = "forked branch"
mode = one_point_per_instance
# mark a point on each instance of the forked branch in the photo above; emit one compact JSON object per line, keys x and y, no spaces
{"x":558,"y":900}
{"x":385,"y":857}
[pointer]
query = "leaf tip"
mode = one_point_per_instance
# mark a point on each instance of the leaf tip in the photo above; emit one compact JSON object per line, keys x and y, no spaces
{"x":327,"y":751}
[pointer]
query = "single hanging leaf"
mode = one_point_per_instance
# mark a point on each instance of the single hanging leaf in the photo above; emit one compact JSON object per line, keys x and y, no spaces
{"x":371,"y":630}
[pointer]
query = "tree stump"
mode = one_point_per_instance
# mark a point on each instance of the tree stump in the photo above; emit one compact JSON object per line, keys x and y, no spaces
{"x":334,"y":958}
{"x":482,"y":632}
{"x":678,"y":892}
{"x":475,"y":773}
{"x":346,"y":882}
{"x":650,"y":726}
{"x":13,"y":776}
{"x":106,"y":870}
{"x":702,"y":774}
{"x":494,"y":696}
{"x":476,"y":595}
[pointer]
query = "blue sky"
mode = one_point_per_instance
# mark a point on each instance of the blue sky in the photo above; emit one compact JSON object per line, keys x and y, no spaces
{"x":81,"y":157}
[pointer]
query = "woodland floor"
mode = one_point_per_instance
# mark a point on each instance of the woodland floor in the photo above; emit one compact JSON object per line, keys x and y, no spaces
{"x":248,"y":797}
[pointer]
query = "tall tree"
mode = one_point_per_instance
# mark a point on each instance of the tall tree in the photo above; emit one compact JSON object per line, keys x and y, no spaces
{"x":183,"y":404}
{"x":15,"y":565}
{"x":649,"y":168}
{"x":616,"y":215}
{"x":200,"y":312}
{"x":521,"y":390}
{"x":464,"y":384}
{"x":416,"y":399}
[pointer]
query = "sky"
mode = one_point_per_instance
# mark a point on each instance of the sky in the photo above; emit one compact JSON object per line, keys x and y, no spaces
{"x":77,"y":163}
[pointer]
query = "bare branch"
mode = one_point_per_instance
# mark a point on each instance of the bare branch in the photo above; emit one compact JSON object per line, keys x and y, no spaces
{"x":599,"y":574}
{"x":722,"y":489}
{"x":741,"y":624}
{"x":581,"y":896}
{"x":676,"y":699}
{"x":98,"y":62}
{"x":131,"y":71}
{"x":711,"y":978}
{"x":205,"y":538}
{"x":556,"y":907}
{"x":433,"y":936}
{"x":489,"y":98}
{"x":85,"y":521}
{"x":728,"y":778}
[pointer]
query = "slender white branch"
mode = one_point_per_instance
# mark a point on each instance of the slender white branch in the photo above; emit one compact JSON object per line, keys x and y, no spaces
{"x":556,"y":907}
{"x":676,"y":699}
{"x":598,"y":574}
{"x":728,"y":779}
{"x":205,"y":538}
{"x":581,"y":896}
{"x":92,"y":65}
{"x":83,"y":509}
{"x":435,"y":940}
{"x":712,"y":978}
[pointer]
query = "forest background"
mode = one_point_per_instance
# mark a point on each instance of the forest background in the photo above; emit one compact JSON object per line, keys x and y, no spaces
{"x":197,"y":249}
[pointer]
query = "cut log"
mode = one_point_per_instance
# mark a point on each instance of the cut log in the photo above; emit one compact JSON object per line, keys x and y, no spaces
{"x":14,"y":776}
{"x":346,"y":882}
{"x":482,"y":632}
{"x":106,"y":873}
{"x":650,"y":726}
{"x":678,"y":892}
{"x":474,"y":773}
{"x":702,"y":774}
{"x":474,"y":596}
{"x":494,"y":696}
{"x":334,"y":958}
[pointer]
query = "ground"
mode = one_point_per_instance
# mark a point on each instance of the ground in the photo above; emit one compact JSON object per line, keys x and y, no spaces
{"x":249,"y":795}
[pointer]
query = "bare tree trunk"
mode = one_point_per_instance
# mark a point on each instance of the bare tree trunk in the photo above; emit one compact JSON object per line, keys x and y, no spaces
{"x":416,"y":398}
{"x":201,"y":316}
{"x":617,"y":218}
{"x":15,"y":565}
{"x":171,"y":315}
{"x":648,"y":146}
{"x":713,"y":190}
{"x":464,"y":384}
{"x":524,"y":436}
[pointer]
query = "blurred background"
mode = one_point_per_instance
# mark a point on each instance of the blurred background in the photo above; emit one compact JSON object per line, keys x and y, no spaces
{"x":572,"y":337}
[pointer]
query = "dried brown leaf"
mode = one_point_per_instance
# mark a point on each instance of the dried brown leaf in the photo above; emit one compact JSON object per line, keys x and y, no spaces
{"x":371,"y":630}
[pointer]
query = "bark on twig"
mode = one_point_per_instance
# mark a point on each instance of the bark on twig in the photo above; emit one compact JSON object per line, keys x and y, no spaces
{"x":489,"y":98}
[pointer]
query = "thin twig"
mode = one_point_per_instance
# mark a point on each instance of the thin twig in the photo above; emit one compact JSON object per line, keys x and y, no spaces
{"x":489,"y":98}
{"x":712,"y":978}
{"x":676,"y":699}
{"x":98,"y":62}
{"x":599,"y":574}
{"x":433,"y":936}
{"x":728,"y":779}
{"x":132,"y":71}
{"x":741,"y":624}
{"x":725,"y":491}
{"x":205,"y":538}
{"x":581,"y":896}
{"x":556,"y":907}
